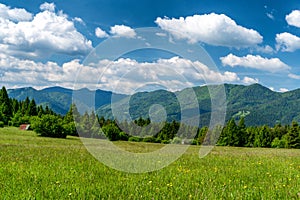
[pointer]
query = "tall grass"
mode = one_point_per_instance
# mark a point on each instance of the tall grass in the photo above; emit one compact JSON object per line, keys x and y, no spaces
{"x":33,"y":167}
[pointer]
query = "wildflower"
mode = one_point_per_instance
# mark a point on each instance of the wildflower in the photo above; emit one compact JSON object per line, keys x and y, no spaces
{"x":245,"y":186}
{"x":170,"y":185}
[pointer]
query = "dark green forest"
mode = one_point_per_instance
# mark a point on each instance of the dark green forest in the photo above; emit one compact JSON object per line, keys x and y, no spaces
{"x":258,"y":104}
{"x":45,"y":122}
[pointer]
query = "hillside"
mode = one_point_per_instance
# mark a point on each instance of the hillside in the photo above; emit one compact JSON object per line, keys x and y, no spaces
{"x":59,"y":99}
{"x":258,"y":104}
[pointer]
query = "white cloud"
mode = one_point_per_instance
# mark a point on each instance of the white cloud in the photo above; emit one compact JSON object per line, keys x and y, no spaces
{"x":270,"y":15}
{"x":283,"y":90}
{"x":100,"y":33}
{"x":255,"y":62}
{"x":248,"y":80}
{"x":265,"y":49}
{"x":45,"y":34}
{"x":294,"y":76}
{"x":269,"y":12}
{"x":79,"y":20}
{"x":293,"y":18}
{"x":48,"y":6}
{"x":14,"y":14}
{"x":161,"y":34}
{"x":287,"y":42}
{"x":122,"y":75}
{"x":213,"y":29}
{"x":122,"y":31}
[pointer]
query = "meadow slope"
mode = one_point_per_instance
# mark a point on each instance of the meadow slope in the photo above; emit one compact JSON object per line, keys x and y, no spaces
{"x":33,"y":167}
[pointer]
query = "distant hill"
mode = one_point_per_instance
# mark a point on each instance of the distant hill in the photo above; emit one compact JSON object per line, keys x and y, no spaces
{"x":258,"y":104}
{"x":59,"y":99}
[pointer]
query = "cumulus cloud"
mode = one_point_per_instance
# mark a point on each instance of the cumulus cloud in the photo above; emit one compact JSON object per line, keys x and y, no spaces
{"x":123,"y":75}
{"x":44,"y":34}
{"x":287,"y":42}
{"x":248,"y":80}
{"x":14,"y":14}
{"x":48,"y":6}
{"x":255,"y":62}
{"x":100,"y":33}
{"x":283,"y":90}
{"x":122,"y":31}
{"x":265,"y":49}
{"x":127,"y":75}
{"x":79,"y":20}
{"x":294,"y":76}
{"x":213,"y":29}
{"x":293,"y":18}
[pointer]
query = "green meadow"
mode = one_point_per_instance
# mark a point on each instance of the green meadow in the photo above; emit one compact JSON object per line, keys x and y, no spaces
{"x":33,"y":167}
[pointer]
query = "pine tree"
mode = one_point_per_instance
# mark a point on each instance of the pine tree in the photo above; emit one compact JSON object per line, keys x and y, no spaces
{"x":229,"y":135}
{"x":5,"y":105}
{"x":25,"y":105}
{"x":293,"y":135}
{"x":69,"y":123}
{"x":264,"y":137}
{"x":242,"y":136}
{"x":15,"y":105}
{"x":32,"y":110}
{"x":40,"y":111}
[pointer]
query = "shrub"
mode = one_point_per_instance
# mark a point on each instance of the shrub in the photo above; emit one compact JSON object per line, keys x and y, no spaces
{"x":48,"y":126}
{"x":111,"y":131}
{"x":1,"y":124}
{"x":277,"y":143}
{"x":148,"y":139}
{"x":176,"y":140}
{"x":134,"y":139}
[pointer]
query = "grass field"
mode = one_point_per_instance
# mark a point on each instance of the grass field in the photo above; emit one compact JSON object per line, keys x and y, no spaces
{"x":33,"y":167}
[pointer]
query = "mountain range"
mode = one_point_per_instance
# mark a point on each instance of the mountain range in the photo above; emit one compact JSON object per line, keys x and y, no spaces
{"x":258,"y":104}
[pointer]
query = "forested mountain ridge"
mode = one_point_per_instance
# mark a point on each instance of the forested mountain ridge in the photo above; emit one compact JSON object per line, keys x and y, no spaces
{"x":258,"y":104}
{"x":59,"y":99}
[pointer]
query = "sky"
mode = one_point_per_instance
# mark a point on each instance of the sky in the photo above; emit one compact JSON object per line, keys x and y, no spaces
{"x":50,"y":43}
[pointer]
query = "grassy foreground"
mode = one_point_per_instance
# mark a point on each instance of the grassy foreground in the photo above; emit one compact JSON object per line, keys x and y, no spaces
{"x":33,"y":167}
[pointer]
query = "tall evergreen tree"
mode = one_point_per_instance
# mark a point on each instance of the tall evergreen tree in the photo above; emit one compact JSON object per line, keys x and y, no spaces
{"x":264,"y":137}
{"x":293,"y":135}
{"x":32,"y":110}
{"x":25,"y":105}
{"x":229,"y":135}
{"x":5,"y":106}
{"x":242,"y":135}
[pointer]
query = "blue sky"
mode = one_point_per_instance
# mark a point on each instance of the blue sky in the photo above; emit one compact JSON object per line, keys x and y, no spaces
{"x":45,"y":43}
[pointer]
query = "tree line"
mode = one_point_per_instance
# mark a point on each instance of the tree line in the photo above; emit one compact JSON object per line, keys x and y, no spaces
{"x":47,"y":123}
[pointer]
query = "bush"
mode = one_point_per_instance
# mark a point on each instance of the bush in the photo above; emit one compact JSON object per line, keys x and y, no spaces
{"x":148,"y":139}
{"x":165,"y":141}
{"x":176,"y":140}
{"x":134,"y":139}
{"x":277,"y":143}
{"x":48,"y":126}
{"x":70,"y":129}
{"x":123,"y":136}
{"x":111,"y":131}
{"x":1,"y":124}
